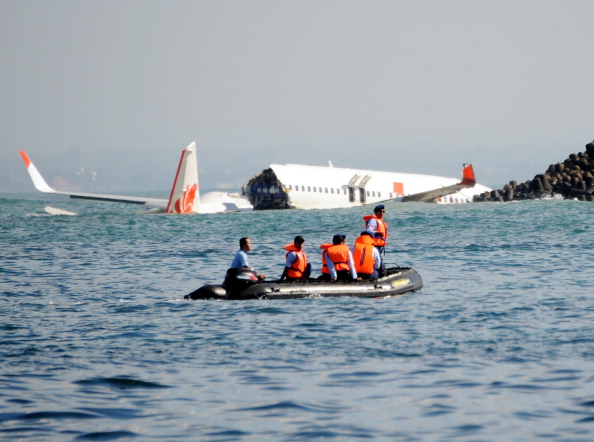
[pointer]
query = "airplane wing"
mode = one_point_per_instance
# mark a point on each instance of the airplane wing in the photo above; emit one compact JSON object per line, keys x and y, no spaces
{"x":468,"y":180}
{"x":41,"y":185}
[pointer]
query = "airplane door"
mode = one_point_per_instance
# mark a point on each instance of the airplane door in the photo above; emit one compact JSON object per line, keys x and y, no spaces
{"x":352,"y":183}
{"x":362,"y":190}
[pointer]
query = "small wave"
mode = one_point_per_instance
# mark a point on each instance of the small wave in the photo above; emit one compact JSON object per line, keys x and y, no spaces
{"x":438,"y":410}
{"x":272,"y":311}
{"x":290,"y":405}
{"x":470,"y":428}
{"x":106,"y":435}
{"x":585,"y":420}
{"x":122,"y":383}
{"x":226,"y":434}
{"x":117,"y":413}
{"x":51,"y":415}
{"x":515,"y":386}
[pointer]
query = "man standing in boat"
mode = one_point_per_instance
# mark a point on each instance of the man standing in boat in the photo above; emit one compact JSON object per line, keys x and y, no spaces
{"x":378,"y":229}
{"x":241,"y":259}
{"x":339,"y":260}
{"x":296,"y":266}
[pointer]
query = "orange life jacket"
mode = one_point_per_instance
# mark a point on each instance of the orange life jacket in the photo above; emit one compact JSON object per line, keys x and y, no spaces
{"x":382,"y":227}
{"x":363,"y":255}
{"x":298,"y":267}
{"x":339,"y":254}
{"x":324,"y":263}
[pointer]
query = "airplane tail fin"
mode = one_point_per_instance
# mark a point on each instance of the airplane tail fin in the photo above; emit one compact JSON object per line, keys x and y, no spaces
{"x":185,"y":196}
{"x":468,"y":175}
{"x":36,"y":177}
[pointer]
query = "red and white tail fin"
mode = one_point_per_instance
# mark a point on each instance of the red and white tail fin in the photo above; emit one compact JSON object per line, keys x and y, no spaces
{"x":185,"y":196}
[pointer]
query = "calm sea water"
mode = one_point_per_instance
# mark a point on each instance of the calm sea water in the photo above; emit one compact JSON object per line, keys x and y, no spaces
{"x":97,"y":342}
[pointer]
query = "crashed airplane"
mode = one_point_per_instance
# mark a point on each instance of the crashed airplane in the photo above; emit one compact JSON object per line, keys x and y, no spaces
{"x":295,"y":186}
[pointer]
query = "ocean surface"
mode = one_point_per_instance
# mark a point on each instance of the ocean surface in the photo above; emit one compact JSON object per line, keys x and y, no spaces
{"x":97,"y":343}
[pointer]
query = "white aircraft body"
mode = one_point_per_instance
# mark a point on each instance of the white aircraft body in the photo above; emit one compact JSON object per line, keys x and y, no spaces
{"x":184,"y":198}
{"x":297,"y":186}
{"x":55,"y":211}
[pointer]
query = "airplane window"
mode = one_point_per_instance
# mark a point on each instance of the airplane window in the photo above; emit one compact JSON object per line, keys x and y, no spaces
{"x":320,"y":190}
{"x":379,"y":194}
{"x":332,"y":190}
{"x":326,"y":190}
{"x":315,"y":189}
{"x":309,"y":188}
{"x":303,"y":188}
{"x":290,"y":187}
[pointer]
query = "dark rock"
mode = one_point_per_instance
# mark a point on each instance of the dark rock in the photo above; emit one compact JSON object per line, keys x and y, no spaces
{"x":571,"y":178}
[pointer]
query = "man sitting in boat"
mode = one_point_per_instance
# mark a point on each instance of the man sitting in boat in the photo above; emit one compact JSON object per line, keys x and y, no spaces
{"x":366,"y":257}
{"x":338,"y":260}
{"x":296,"y":266}
{"x":241,"y":259}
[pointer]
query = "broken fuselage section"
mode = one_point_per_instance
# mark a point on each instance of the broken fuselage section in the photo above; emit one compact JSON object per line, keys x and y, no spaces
{"x":294,"y":186}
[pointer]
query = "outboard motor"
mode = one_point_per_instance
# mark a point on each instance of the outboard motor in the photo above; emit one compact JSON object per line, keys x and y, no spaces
{"x":239,"y":279}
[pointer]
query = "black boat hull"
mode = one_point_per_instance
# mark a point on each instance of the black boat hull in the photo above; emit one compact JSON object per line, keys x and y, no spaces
{"x":398,"y":282}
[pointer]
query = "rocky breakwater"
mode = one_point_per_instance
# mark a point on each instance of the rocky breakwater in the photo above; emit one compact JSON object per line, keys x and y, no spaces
{"x":571,"y":179}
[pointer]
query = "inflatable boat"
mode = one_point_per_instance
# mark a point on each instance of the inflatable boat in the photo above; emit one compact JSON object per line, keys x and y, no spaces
{"x":243,"y":284}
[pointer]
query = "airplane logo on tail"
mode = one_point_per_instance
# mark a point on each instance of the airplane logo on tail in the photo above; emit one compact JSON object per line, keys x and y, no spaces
{"x":186,"y":202}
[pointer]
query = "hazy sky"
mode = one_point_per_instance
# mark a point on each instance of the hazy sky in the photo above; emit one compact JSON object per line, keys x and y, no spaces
{"x":119,"y":88}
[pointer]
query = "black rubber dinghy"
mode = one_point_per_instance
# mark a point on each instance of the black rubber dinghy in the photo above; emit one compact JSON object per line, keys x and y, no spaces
{"x":243,"y":284}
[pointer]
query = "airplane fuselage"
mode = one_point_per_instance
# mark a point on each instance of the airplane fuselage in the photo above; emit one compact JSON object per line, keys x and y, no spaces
{"x":316,"y":187}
